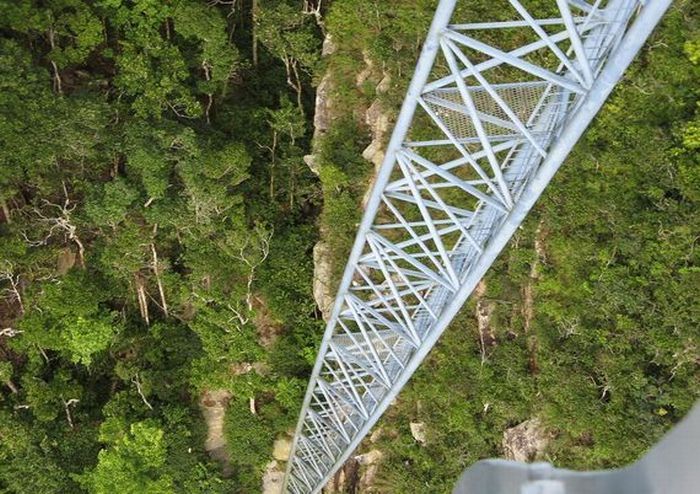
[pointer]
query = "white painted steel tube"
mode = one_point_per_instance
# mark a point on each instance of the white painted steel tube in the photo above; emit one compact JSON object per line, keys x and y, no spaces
{"x":424,"y":65}
{"x":576,"y":124}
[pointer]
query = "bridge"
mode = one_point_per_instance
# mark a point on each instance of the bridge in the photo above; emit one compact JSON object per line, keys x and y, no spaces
{"x":483,"y":128}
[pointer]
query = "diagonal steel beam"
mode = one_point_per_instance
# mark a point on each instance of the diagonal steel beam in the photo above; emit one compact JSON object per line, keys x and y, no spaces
{"x":392,"y":306}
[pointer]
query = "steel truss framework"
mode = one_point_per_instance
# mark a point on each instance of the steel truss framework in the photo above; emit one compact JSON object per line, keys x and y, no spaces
{"x":481,"y":132}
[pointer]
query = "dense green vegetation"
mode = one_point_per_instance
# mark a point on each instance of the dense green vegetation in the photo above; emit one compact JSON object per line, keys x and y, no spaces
{"x":607,"y":358}
{"x":155,"y":209}
{"x":157,"y":222}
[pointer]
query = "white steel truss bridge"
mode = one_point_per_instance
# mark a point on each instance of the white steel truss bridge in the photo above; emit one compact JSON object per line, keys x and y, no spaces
{"x":493,"y":109}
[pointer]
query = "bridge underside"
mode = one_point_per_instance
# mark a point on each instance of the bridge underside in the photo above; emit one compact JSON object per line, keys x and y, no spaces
{"x":492,"y":111}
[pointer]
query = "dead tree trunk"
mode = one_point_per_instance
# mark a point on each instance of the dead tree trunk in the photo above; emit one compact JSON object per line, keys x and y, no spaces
{"x":57,"y":83}
{"x":62,"y":222}
{"x":12,"y":386}
{"x":141,"y":298}
{"x":291,"y":65}
{"x":156,"y":271}
{"x":66,"y":407}
{"x":7,"y":274}
{"x":254,"y":259}
{"x":254,"y":31}
{"x":5,"y":210}
{"x":137,"y":382}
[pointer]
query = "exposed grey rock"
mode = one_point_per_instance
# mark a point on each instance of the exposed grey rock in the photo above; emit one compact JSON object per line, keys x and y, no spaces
{"x":378,"y":121}
{"x":282,"y":448}
{"x":370,"y":463}
{"x":365,"y":73}
{"x":213,"y":405}
{"x":323,"y":108}
{"x":379,"y":124}
{"x":370,"y":458}
{"x":526,"y":441}
{"x":310,"y":161}
{"x":323,"y":295}
{"x":329,"y":47}
{"x":376,"y":435}
{"x":418,"y":432}
{"x":384,"y":84}
{"x":273,"y":479}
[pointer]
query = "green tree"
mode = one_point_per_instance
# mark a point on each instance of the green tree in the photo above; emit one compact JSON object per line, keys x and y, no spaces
{"x":289,"y":34}
{"x":6,"y":371}
{"x":71,"y":320}
{"x":132,"y":464}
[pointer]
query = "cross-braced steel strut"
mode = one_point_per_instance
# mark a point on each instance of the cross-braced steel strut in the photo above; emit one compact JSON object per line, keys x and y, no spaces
{"x":485,"y":125}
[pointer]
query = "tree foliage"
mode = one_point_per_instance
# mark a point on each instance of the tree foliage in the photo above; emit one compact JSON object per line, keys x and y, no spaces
{"x":158,"y":222}
{"x":146,"y":168}
{"x":132,"y":463}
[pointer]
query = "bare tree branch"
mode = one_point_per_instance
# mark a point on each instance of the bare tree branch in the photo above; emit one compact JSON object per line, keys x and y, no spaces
{"x":242,"y":320}
{"x":10,"y":332}
{"x":156,"y":271}
{"x":137,"y":382}
{"x":57,"y":84}
{"x":7,"y":274}
{"x":66,"y":407}
{"x":57,"y":223}
{"x":141,"y":297}
{"x":255,"y":259}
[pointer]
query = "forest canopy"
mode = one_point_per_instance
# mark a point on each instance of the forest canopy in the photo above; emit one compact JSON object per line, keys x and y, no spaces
{"x":151,"y":180}
{"x":163,"y":183}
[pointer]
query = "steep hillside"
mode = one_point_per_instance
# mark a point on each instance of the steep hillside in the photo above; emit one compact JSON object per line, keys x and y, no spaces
{"x":180,"y":183}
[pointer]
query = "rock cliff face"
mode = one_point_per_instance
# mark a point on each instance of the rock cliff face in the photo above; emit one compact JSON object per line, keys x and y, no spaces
{"x":323,"y":108}
{"x":323,"y":117}
{"x":323,"y":294}
{"x":378,"y":122}
{"x":526,"y":441}
{"x":273,"y":478}
{"x":358,"y":474}
{"x":213,"y":405}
